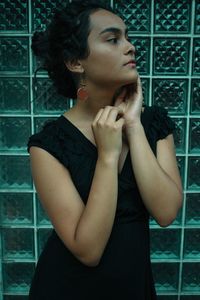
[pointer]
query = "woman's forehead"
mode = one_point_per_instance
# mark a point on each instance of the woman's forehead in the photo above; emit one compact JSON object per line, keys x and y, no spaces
{"x":102,"y":19}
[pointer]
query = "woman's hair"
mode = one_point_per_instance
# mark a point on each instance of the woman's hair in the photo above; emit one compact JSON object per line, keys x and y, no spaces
{"x":66,"y":40}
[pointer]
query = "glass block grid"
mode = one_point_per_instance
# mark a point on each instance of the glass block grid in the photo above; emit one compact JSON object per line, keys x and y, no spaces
{"x":166,"y":35}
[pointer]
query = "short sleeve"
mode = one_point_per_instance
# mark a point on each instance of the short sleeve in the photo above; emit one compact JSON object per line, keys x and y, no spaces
{"x":50,"y":139}
{"x":162,"y":123}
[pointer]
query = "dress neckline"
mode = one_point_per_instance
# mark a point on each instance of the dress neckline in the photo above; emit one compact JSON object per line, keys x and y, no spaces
{"x":75,"y":131}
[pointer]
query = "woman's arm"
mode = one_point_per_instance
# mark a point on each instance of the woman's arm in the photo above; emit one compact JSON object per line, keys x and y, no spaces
{"x":158,"y":178}
{"x":84,"y":229}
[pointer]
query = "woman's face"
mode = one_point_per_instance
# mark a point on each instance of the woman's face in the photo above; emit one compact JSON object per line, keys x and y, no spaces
{"x":110,"y":51}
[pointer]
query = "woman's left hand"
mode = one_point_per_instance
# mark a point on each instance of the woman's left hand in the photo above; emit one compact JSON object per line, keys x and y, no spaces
{"x":131,"y":100}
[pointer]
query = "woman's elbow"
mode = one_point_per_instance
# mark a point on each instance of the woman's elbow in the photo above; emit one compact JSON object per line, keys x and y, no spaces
{"x":168,"y":217}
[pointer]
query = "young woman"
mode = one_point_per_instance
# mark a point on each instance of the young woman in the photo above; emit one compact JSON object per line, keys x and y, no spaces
{"x":103,"y":167}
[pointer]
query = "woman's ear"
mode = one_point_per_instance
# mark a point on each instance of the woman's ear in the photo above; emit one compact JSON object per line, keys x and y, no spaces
{"x":75,"y":66}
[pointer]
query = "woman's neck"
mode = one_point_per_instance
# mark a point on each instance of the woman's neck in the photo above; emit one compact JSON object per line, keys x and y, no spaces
{"x":98,"y":98}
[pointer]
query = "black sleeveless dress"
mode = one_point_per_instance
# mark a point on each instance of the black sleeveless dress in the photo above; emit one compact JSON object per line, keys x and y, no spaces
{"x":124,"y":271}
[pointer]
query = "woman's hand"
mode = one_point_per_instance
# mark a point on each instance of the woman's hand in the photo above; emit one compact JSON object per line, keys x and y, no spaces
{"x":107,"y":130}
{"x":130,"y":101}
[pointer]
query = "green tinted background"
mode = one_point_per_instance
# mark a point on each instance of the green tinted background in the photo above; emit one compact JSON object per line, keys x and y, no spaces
{"x":167,"y":39}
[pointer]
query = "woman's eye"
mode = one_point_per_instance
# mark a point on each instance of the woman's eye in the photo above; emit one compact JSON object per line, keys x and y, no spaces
{"x":113,"y":40}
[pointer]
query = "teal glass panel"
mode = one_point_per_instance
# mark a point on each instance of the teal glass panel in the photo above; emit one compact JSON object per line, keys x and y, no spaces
{"x":166,"y":277}
{"x":13,"y":297}
{"x":42,"y":236}
{"x":17,"y":243}
{"x":191,"y":297}
{"x":181,"y":166}
{"x":192,"y":216}
{"x":194,"y":142}
{"x":165,"y":243}
{"x":145,"y":90}
{"x":171,"y":94}
{"x":14,"y":133}
{"x":42,"y":218}
{"x":17,"y":276}
{"x":16,"y":209}
{"x":180,"y":134}
{"x":192,"y":243}
{"x":171,"y":56}
{"x":197,"y":17}
{"x":172,"y":16}
{"x":171,"y":297}
{"x":15,"y":172}
{"x":14,"y":95}
{"x":14,"y":55}
{"x":136,"y":14}
{"x":14,"y":16}
{"x":46,"y":100}
{"x":196,"y":56}
{"x":194,"y":173}
{"x":191,"y":277}
{"x":42,"y":11}
{"x":142,"y":46}
{"x":195,"y":96}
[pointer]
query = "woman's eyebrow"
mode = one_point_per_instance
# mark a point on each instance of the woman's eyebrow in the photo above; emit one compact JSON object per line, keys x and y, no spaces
{"x":114,"y":30}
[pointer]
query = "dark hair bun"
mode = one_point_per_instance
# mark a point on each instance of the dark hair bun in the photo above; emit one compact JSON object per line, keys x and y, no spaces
{"x":65,"y":40}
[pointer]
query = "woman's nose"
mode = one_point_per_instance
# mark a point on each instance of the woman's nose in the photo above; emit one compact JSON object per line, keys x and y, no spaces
{"x":130,"y":48}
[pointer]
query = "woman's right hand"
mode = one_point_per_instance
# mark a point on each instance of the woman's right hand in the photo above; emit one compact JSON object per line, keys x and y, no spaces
{"x":107,"y":129}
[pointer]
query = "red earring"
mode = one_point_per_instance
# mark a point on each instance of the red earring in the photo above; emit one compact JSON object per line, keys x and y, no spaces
{"x":82,"y":94}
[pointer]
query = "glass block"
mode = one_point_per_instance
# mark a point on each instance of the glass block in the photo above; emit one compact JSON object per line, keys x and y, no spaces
{"x":14,"y":16}
{"x":17,"y":243}
{"x":196,"y":57}
{"x":171,"y":56}
{"x":180,"y":134}
{"x":190,"y":297}
{"x":42,"y":218}
{"x":145,"y":90}
{"x":40,"y":122}
{"x":193,"y":173}
{"x":16,"y":209}
{"x":136,"y":14}
{"x":14,"y":95}
{"x":195,"y":96}
{"x":194,"y":137}
{"x":14,"y":133}
{"x":172,"y":16}
{"x":171,"y":94}
{"x":166,"y":276}
{"x":181,"y":166}
{"x":192,"y":244}
{"x":43,"y":11}
{"x":17,"y":277}
{"x":192,"y":216}
{"x":170,"y":297}
{"x":197,"y":17}
{"x":165,"y":243}
{"x":142,"y":46}
{"x":47,"y":100}
{"x":191,"y":277}
{"x":14,"y":55}
{"x":13,"y":297}
{"x":43,"y":235}
{"x":15,"y":172}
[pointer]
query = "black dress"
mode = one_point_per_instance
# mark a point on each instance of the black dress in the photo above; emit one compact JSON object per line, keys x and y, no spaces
{"x":124,"y":271}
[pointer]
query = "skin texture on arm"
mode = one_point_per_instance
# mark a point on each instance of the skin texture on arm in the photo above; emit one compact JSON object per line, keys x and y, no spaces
{"x":84,"y":229}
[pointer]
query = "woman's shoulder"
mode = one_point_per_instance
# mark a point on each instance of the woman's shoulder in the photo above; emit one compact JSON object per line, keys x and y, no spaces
{"x":158,"y":121}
